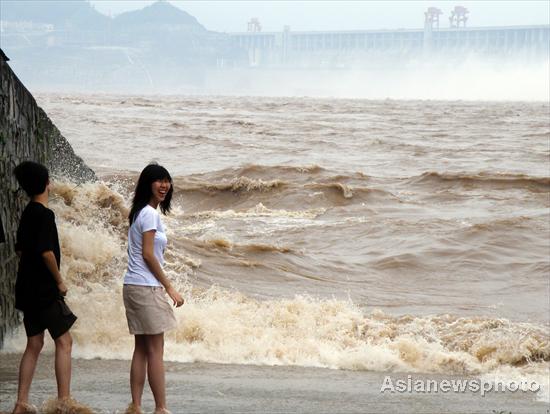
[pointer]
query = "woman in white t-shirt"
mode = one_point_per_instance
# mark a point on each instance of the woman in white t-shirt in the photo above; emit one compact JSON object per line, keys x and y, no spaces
{"x":146,"y":287}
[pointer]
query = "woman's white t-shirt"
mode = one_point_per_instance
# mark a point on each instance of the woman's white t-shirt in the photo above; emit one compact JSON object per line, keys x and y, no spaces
{"x":138,"y":272}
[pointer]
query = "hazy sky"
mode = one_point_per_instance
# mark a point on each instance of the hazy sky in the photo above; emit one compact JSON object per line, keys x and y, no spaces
{"x":232,"y":16}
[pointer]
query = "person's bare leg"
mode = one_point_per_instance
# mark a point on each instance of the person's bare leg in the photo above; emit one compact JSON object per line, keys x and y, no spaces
{"x":26,"y":370}
{"x":155,"y":369}
{"x":138,"y":370}
{"x":63,"y":348}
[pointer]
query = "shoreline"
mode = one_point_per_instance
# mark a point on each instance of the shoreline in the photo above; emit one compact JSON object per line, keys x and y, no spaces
{"x":218,"y":388}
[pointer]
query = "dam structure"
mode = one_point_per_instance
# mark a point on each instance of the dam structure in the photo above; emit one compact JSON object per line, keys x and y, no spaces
{"x":334,"y":49}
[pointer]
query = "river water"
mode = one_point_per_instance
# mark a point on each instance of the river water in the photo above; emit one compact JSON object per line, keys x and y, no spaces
{"x":409,"y":236}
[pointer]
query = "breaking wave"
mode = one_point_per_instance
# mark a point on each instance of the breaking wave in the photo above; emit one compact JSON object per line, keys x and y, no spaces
{"x":484,"y":179}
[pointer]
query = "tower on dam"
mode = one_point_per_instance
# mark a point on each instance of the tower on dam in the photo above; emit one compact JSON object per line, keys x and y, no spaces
{"x":431,"y":22}
{"x":459,"y":17}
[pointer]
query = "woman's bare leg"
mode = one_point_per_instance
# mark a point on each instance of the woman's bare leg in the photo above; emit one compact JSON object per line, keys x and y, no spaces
{"x":155,"y":369}
{"x":138,"y":370}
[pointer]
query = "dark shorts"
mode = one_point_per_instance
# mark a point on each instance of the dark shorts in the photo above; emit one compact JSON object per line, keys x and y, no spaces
{"x":57,"y":318}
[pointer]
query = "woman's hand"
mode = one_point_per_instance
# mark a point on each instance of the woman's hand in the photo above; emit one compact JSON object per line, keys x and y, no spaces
{"x":175,"y":296}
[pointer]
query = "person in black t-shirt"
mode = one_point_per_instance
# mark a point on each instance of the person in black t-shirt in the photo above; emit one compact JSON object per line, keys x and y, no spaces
{"x":40,"y":289}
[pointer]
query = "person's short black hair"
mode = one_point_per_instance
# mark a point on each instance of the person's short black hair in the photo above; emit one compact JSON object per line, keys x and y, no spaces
{"x":32,"y":177}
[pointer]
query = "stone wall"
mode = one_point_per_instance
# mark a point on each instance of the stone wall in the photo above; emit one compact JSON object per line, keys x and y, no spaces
{"x":26,"y":133}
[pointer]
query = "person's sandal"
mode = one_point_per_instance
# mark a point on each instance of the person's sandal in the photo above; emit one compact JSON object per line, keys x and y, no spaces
{"x":26,"y":407}
{"x":162,"y":411}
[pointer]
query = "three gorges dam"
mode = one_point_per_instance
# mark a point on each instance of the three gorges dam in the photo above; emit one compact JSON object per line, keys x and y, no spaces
{"x":342,"y":49}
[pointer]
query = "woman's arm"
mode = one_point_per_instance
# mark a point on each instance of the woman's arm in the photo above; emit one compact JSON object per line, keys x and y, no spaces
{"x":155,"y":268}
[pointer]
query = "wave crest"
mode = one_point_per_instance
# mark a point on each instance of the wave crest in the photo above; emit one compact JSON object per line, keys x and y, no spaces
{"x":484,"y":179}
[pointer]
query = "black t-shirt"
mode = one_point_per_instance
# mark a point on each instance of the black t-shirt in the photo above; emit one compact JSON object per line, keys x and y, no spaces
{"x":36,"y":287}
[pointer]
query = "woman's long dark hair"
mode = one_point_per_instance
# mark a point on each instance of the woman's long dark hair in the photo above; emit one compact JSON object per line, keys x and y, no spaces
{"x":143,"y":193}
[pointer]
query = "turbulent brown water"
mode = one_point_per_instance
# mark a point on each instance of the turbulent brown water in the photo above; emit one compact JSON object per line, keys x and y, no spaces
{"x":350,"y":234}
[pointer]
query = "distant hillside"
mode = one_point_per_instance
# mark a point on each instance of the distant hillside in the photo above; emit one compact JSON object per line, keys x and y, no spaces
{"x":77,"y":14}
{"x":159,"y":47}
{"x":157,"y":14}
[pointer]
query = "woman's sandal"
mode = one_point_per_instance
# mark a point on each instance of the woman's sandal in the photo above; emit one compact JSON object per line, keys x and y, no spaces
{"x":132,"y":409}
{"x":65,"y":405}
